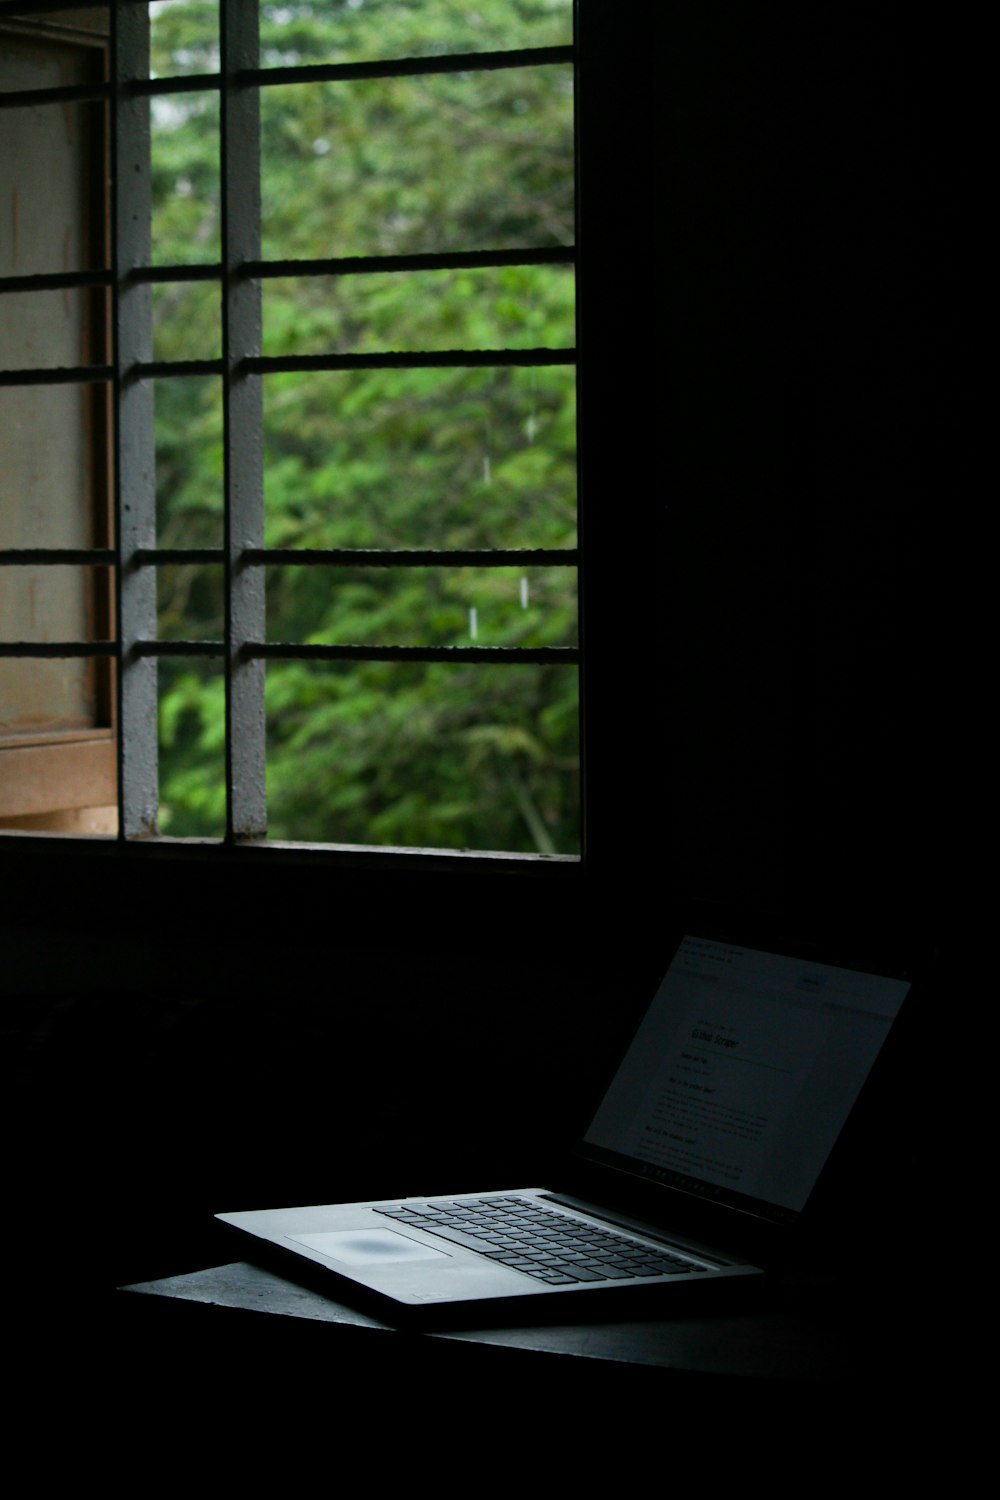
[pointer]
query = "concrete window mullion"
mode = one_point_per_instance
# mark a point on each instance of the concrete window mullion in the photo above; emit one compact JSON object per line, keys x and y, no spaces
{"x":135,"y":468}
{"x":243,"y":421}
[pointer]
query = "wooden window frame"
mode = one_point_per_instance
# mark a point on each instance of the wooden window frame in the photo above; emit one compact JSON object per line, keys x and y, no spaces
{"x":65,"y":779}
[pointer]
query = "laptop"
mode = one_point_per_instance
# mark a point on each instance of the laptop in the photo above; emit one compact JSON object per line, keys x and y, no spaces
{"x":712,"y":1138}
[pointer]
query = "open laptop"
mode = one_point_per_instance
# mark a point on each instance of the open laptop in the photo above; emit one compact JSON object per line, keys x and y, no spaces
{"x":722,"y":1115}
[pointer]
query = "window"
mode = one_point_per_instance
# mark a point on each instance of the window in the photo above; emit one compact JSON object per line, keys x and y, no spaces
{"x":57,"y":754}
{"x":329,"y":431}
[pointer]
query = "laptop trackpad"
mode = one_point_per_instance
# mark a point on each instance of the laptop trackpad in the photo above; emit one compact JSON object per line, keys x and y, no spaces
{"x":366,"y":1247}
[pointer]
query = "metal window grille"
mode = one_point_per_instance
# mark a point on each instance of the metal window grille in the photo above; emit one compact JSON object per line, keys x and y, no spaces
{"x":134,"y":557}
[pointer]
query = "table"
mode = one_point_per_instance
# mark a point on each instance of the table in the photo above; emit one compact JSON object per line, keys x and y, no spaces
{"x":809,"y":1362}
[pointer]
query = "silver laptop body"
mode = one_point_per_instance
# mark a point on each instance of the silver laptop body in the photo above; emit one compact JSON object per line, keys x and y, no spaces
{"x":717,"y":1123}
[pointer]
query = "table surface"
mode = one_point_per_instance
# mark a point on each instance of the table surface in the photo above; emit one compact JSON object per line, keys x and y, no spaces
{"x":776,"y":1342}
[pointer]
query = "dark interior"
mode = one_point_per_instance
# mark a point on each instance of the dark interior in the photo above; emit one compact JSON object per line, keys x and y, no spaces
{"x":772,"y":731}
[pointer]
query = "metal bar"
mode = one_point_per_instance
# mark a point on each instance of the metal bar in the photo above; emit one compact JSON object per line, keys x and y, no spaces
{"x":446,"y":359}
{"x":58,"y":649}
{"x":55,"y":281}
{"x":346,"y":265}
{"x":412,"y":557}
{"x":341,"y":557}
{"x":179,"y":648}
{"x":353,"y":265}
{"x":149,"y":369}
{"x":243,"y":420}
{"x":152,"y":556}
{"x":508,"y":655}
{"x":75,"y":375}
{"x":349,"y":265}
{"x":167,"y":369}
{"x":93,"y":557}
{"x":138,"y":773}
{"x":257,"y":78}
{"x":404,"y":67}
{"x":450,"y":260}
{"x":210,"y":271}
{"x":177,"y":83}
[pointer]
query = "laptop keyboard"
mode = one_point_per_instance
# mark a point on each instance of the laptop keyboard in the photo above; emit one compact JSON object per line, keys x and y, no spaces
{"x":552,"y":1247}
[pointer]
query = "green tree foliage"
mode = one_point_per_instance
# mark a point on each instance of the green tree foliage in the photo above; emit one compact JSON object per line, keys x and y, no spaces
{"x":420,"y":755}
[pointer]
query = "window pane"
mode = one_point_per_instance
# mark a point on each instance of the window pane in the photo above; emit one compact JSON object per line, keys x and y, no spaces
{"x":500,"y":307}
{"x":422,"y":606}
{"x":441,"y":162}
{"x":360,"y":30}
{"x":189,"y":461}
{"x":424,"y":755}
{"x":192,"y":748}
{"x":183,"y":37}
{"x":190,"y":604}
{"x":185,"y":33}
{"x":421,"y":458}
{"x":185,"y":163}
{"x":187,"y":320}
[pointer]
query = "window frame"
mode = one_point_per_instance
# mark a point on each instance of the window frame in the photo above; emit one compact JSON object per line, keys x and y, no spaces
{"x":65,"y":776}
{"x":618,"y":606}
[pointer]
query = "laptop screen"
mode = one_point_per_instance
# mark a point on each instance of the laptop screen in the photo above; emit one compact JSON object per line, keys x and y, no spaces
{"x":743,"y":1072}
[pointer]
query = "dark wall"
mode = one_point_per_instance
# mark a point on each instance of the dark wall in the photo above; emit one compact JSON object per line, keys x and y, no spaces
{"x":814,"y":384}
